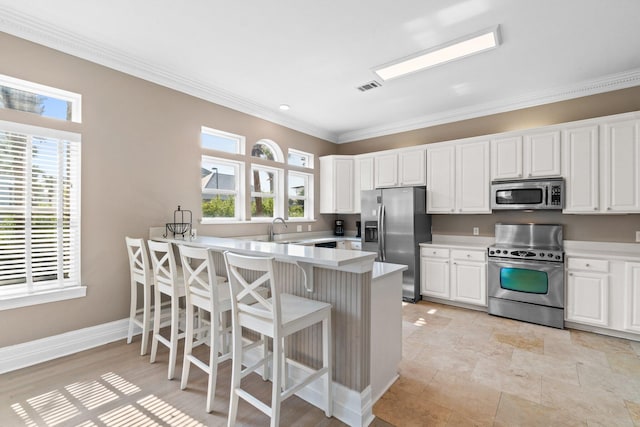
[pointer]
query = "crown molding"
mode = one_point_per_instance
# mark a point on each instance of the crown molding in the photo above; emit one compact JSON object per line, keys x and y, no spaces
{"x":585,"y":88}
{"x":37,"y":31}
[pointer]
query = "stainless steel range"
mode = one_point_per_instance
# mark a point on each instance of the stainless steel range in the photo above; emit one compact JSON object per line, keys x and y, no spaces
{"x":526,"y":273}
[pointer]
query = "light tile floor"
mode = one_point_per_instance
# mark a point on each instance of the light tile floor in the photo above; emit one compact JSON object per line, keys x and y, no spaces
{"x":464,"y":367}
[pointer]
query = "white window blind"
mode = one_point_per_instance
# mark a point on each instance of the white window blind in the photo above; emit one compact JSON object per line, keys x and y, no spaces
{"x":39,"y":210}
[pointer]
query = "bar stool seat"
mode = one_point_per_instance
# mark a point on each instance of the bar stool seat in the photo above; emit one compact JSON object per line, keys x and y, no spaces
{"x":277,"y":317}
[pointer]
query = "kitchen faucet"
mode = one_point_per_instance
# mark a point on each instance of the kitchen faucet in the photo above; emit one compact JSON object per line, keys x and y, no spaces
{"x":272,"y":225}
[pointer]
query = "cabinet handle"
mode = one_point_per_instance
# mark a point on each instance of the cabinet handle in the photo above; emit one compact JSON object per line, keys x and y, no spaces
{"x":452,"y":210}
{"x":570,"y":274}
{"x":587,"y":265}
{"x":609,"y":208}
{"x":434,"y":252}
{"x":468,"y":255}
{"x":519,"y":175}
{"x":530,"y":175}
{"x":595,"y":208}
{"x":455,"y":263}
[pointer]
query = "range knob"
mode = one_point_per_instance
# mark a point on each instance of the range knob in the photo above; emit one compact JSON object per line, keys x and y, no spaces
{"x":541,"y":254}
{"x":558,"y":257}
{"x":550,"y":255}
{"x":497,"y":251}
{"x":491,"y":252}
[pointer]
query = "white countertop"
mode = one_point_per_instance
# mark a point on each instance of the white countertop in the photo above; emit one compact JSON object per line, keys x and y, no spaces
{"x":382,"y":269}
{"x":622,"y":251}
{"x":323,"y":257}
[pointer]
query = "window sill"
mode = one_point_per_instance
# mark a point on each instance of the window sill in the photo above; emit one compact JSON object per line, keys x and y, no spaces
{"x":253,"y":221}
{"x":8,"y":302}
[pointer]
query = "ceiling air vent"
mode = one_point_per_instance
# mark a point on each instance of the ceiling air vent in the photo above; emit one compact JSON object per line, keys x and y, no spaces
{"x":368,"y":86}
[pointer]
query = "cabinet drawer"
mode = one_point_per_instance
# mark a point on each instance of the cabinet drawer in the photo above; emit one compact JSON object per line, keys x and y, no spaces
{"x":435,"y":252}
{"x":461,"y":255}
{"x":588,"y":264}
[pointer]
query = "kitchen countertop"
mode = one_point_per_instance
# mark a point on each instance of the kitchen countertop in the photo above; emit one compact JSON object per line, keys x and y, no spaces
{"x":382,"y":269}
{"x":620,"y":251}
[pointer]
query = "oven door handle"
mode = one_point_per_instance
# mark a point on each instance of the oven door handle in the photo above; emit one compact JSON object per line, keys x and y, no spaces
{"x":503,"y":261}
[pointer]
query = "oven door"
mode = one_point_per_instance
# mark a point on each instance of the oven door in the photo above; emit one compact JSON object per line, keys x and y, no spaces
{"x":535,"y":282}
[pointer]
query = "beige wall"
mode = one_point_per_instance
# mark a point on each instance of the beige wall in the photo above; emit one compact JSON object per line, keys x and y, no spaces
{"x":618,"y":228}
{"x":140,"y":159}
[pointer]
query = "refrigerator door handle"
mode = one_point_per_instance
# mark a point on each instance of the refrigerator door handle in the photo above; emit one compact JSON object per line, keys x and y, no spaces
{"x":382,"y":234}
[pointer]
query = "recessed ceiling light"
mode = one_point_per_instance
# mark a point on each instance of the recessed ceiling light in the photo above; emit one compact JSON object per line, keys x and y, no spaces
{"x":285,"y":107}
{"x":456,"y":49}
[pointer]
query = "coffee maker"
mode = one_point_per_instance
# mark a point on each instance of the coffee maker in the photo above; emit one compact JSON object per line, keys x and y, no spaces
{"x":339,"y":229}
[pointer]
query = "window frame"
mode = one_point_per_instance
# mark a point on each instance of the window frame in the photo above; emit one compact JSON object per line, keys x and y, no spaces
{"x":239,"y":208}
{"x":38,"y":89}
{"x":308,"y":197}
{"x":30,"y":293}
{"x":240,"y":140}
{"x":301,"y":153}
{"x":278,"y":155}
{"x":278,"y":191}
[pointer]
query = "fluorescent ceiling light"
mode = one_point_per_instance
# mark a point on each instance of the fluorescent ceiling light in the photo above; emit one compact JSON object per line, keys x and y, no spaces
{"x":456,"y":49}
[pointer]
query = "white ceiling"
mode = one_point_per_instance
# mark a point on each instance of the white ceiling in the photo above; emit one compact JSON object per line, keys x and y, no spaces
{"x":255,"y":55}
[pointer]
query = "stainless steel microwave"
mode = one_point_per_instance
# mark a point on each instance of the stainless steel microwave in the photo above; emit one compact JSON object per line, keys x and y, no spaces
{"x":528,"y":194}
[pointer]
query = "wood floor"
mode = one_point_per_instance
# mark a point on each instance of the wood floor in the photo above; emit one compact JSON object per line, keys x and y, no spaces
{"x":460,"y":368}
{"x":113,"y":385}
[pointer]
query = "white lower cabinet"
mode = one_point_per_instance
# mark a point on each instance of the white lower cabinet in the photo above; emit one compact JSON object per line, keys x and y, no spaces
{"x":604,"y":291}
{"x":454,"y":274}
{"x":632,"y":294}
{"x":587,"y":291}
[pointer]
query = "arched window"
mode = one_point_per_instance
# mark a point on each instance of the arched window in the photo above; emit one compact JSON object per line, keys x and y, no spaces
{"x":267,"y":149}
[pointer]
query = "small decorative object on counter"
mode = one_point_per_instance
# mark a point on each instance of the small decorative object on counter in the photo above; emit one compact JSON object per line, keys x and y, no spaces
{"x":180,"y":226}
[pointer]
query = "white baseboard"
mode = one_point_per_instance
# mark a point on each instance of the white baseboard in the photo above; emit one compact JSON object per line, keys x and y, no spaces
{"x":33,"y":352}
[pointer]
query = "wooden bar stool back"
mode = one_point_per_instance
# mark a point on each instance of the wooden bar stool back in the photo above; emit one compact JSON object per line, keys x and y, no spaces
{"x":141,"y":276}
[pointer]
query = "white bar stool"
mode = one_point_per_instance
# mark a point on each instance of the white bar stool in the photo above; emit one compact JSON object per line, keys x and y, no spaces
{"x":207,"y":292}
{"x":276,"y":317}
{"x":141,"y":275}
{"x":168,"y":281}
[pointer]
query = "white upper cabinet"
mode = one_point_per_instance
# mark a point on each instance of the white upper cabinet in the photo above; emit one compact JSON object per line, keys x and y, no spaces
{"x":458,"y":178}
{"x":532,"y":156}
{"x":337,"y":184}
{"x":364,"y":178}
{"x":472,"y":177}
{"x":542,"y":154}
{"x":581,"y":155}
{"x":400,"y":168}
{"x":441,"y":184}
{"x":506,"y":158}
{"x":386,"y":167}
{"x":621,"y":166}
{"x":412,"y":167}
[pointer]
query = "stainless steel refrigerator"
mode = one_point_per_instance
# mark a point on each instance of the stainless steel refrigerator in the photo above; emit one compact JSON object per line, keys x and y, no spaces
{"x":394,"y":222}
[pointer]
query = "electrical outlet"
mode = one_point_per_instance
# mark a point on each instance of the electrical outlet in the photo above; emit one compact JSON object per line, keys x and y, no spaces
{"x":476,"y":231}
{"x":309,"y":227}
{"x":637,"y":236}
{"x":299,"y":228}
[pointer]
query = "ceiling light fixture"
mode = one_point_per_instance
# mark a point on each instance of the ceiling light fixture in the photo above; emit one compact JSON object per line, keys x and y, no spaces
{"x":284,"y":107}
{"x":456,"y":49}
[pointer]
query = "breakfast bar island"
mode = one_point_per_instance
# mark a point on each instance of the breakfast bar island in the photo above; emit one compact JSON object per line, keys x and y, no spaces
{"x":366,"y":299}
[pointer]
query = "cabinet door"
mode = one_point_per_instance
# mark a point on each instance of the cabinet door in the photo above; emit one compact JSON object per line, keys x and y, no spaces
{"x":588,"y":298}
{"x":542,"y":154}
{"x":469,"y":282}
{"x":580,"y":152}
{"x":632,"y":293}
{"x":363,"y":179}
{"x":506,"y":158}
{"x":343,"y":186}
{"x":472,"y":178}
{"x":441,"y":179}
{"x":412,"y":167}
{"x":386,"y":167}
{"x":434,"y":277}
{"x":622,"y":166}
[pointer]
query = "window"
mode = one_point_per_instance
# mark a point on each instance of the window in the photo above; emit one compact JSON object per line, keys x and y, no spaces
{"x":265,"y":192}
{"x":300,"y":193}
{"x":300,"y":158}
{"x":268,"y":150}
{"x":221,"y":181}
{"x":221,"y":141}
{"x":39,"y":210}
{"x":21,"y":95}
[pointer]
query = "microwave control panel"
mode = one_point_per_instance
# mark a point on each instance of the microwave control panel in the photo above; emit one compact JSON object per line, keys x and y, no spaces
{"x":556,"y":195}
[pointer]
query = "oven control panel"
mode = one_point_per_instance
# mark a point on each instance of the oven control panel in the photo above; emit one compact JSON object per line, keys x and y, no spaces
{"x":528,"y":254}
